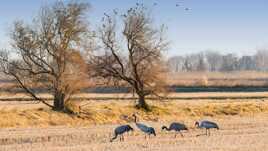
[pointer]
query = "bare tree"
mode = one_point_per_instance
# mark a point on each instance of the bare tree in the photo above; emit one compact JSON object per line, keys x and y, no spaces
{"x":176,"y":63}
{"x":214,"y":60}
{"x":133,"y":54}
{"x":246,"y":63}
{"x":46,"y":54}
{"x":202,"y":62}
{"x":229,"y":62}
{"x":188,"y":64}
{"x":195,"y":62}
{"x":261,"y":59}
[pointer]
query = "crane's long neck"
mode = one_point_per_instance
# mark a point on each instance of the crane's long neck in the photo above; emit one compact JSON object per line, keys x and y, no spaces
{"x":115,"y":136}
{"x":166,"y":128}
{"x":135,"y":119}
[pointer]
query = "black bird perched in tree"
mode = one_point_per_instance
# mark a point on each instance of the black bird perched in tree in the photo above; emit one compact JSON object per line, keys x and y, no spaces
{"x":207,"y":125}
{"x":115,"y":11}
{"x":178,"y":127}
{"x":120,"y":130}
{"x":146,"y":129}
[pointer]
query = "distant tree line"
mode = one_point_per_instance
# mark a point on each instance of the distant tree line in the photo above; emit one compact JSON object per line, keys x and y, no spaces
{"x":214,"y":61}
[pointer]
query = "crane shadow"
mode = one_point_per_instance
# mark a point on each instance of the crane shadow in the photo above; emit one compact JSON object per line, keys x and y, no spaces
{"x":201,"y":135}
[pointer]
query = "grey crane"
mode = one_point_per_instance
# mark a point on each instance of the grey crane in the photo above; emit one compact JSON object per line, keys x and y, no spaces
{"x":177,"y":127}
{"x":120,"y":130}
{"x":144,"y":128}
{"x":207,"y":125}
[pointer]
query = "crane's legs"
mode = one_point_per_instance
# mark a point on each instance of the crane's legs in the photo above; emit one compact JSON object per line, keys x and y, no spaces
{"x":207,"y":131}
{"x":177,"y":133}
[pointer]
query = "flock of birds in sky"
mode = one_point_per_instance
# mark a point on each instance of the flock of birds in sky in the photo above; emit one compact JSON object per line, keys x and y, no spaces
{"x":179,"y":4}
{"x":148,"y":130}
{"x":116,"y":10}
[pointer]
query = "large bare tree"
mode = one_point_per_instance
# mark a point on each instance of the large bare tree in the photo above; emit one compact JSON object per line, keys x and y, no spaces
{"x":133,"y":50}
{"x":46,"y":53}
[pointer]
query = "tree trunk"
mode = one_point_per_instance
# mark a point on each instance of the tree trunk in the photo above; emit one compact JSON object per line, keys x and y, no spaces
{"x":142,"y":103}
{"x":59,"y":101}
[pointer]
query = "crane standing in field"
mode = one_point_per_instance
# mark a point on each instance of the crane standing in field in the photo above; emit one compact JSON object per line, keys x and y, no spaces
{"x":207,"y":125}
{"x":144,"y":128}
{"x":178,"y":127}
{"x":120,"y":130}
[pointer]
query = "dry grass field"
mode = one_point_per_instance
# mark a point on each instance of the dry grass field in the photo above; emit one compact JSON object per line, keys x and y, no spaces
{"x":33,"y":127}
{"x":236,"y":78}
{"x":231,"y":79}
{"x":237,"y":133}
{"x":113,"y":111}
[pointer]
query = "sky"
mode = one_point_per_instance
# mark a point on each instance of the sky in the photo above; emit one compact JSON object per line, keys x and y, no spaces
{"x":227,"y":26}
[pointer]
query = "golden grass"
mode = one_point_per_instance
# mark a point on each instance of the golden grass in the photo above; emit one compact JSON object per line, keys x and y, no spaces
{"x":114,"y":112}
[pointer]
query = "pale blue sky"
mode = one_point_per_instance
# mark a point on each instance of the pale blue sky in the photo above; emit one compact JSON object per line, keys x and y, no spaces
{"x":239,"y":26}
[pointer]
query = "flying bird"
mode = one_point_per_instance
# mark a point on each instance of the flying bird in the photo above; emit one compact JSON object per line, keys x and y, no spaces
{"x":187,"y":9}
